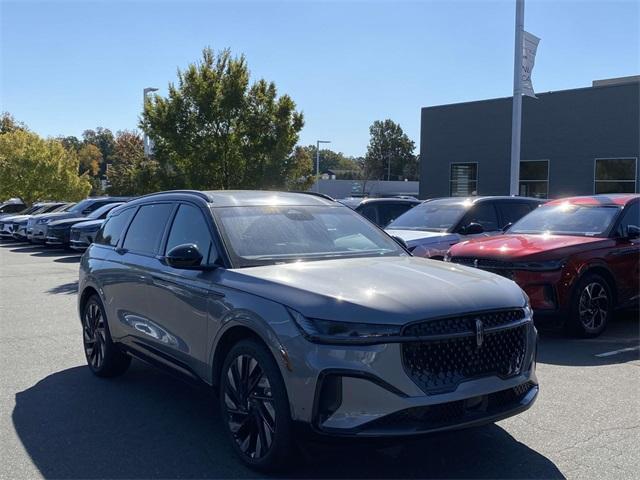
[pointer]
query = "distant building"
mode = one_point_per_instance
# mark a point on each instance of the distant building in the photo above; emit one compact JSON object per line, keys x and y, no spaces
{"x":574,"y":142}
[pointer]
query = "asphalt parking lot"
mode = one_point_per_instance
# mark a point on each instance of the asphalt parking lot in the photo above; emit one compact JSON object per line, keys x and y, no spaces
{"x":58,"y":421}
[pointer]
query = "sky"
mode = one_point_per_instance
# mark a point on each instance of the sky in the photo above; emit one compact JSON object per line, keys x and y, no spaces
{"x":67,"y":66}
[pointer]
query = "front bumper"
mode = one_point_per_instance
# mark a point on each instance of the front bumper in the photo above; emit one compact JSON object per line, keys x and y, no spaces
{"x":20,"y":233}
{"x":366,"y":391}
{"x":6,"y":230}
{"x":81,"y":239}
{"x":38,"y":233}
{"x":57,"y":237}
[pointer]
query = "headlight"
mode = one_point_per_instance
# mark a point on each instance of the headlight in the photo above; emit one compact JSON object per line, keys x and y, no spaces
{"x":447,"y":256}
{"x":329,"y":331}
{"x":528,"y":312}
{"x":539,"y":266}
{"x":42,"y":221}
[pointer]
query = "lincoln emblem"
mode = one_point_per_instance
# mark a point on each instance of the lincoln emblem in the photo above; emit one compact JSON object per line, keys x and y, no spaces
{"x":479,"y":332}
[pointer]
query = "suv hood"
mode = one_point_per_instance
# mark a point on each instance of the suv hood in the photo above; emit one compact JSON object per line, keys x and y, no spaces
{"x":88,"y":224}
{"x":391,"y":290}
{"x":58,"y":216}
{"x":515,"y":247}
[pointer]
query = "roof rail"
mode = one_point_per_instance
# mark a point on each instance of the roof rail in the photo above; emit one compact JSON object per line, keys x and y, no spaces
{"x":316,"y":194}
{"x":164,"y":192}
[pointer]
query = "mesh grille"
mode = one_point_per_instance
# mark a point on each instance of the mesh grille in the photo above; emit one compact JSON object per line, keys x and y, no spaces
{"x":463,"y":323}
{"x":75,"y":234}
{"x":439,"y":366}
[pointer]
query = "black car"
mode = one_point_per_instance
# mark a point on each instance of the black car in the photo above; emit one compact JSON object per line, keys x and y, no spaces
{"x":58,"y":232}
{"x":381,"y":211}
{"x":37,"y":227}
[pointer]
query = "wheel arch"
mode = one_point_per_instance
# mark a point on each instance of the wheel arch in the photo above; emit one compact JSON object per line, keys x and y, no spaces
{"x":605,"y":273}
{"x":226,"y":342}
{"x":84,"y":296}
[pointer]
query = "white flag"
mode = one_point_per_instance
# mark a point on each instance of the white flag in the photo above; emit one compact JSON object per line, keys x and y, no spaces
{"x":529,"y":47}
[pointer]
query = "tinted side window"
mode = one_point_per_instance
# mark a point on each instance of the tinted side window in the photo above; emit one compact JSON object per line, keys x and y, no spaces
{"x":388,"y":213}
{"x":630,"y":217}
{"x":189,"y":226}
{"x":112,"y":229}
{"x":483,"y":213}
{"x":11,"y":208}
{"x":145,"y":233}
{"x":513,"y":211}
{"x":369,"y":211}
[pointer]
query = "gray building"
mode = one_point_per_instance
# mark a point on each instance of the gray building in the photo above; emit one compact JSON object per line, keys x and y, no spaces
{"x":574,"y":142}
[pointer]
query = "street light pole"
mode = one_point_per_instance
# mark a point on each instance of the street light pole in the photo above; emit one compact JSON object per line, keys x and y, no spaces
{"x":516,"y":114}
{"x":145,"y":139}
{"x":318,"y":142}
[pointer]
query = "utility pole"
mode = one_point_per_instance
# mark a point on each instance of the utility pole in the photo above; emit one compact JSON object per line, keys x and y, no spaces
{"x":516,"y":118}
{"x":318,"y":142}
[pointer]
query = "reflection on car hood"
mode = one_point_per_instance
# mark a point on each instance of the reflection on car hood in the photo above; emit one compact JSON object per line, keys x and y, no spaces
{"x":392,"y":290}
{"x":58,"y":216}
{"x":516,"y":246}
{"x":15,"y":218}
{"x":421,"y":237}
{"x":89,"y":224}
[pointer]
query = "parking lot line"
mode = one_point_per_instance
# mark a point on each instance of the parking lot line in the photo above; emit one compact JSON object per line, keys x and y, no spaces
{"x":616,"y":352}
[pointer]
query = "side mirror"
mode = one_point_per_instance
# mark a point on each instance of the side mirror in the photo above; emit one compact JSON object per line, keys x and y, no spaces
{"x":186,"y":256}
{"x":472,"y":229}
{"x":400,"y":242}
{"x":633,"y":232}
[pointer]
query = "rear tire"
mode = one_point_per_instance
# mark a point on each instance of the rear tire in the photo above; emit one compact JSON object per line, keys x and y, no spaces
{"x":254,"y":407}
{"x":591,"y":306}
{"x":104,"y":358}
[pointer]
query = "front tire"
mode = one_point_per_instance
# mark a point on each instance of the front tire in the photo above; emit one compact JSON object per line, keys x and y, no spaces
{"x":104,"y":358}
{"x":254,"y":407}
{"x":592,"y":306}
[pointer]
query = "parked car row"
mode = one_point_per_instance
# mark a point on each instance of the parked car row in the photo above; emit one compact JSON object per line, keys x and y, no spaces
{"x":52,"y":223}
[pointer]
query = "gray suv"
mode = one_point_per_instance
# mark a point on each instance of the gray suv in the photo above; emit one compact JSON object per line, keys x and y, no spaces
{"x":305,"y":317}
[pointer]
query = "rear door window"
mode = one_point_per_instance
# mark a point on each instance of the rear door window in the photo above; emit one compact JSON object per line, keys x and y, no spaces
{"x":147,"y":227}
{"x":370,"y":212}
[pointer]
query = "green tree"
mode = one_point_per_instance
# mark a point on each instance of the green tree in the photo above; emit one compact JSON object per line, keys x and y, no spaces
{"x":130,"y":173}
{"x":390,"y":153}
{"x":102,"y":138}
{"x":215,"y":130}
{"x":71,"y":142}
{"x":90,"y":158}
{"x":36,"y":169}
{"x":10,"y":124}
{"x":347,"y":168}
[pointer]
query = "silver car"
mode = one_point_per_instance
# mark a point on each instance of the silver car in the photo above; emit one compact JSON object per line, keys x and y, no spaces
{"x":305,"y":317}
{"x":430,"y":229}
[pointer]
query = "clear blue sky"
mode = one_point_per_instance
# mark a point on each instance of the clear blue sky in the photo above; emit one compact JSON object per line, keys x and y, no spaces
{"x":70,"y":66}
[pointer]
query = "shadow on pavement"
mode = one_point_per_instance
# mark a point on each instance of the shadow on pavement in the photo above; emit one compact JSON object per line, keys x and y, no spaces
{"x":149,"y":425}
{"x":66,"y":288}
{"x":623,"y":332}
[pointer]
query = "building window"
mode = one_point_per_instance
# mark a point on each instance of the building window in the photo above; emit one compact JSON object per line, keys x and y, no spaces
{"x":534,"y":178}
{"x":615,"y":175}
{"x":464,"y":179}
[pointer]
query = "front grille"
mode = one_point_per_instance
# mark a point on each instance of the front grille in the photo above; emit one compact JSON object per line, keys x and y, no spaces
{"x":439,"y":365}
{"x":484,"y":263}
{"x":451,"y":413}
{"x":75,"y":234}
{"x":462,"y":323}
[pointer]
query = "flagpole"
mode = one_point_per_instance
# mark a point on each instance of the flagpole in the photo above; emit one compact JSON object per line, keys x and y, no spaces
{"x":516,"y":118}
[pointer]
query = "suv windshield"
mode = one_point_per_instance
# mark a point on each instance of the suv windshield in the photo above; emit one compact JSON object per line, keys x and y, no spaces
{"x":79,"y":207}
{"x":568,"y":219}
{"x":433,"y":215}
{"x":96,"y":214}
{"x":265,"y":235}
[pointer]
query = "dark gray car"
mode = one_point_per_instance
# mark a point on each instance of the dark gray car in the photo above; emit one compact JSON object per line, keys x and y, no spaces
{"x":305,"y":316}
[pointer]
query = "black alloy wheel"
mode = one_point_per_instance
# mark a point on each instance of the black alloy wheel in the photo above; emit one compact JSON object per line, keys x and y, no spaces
{"x":255,"y":407}
{"x":104,"y":358}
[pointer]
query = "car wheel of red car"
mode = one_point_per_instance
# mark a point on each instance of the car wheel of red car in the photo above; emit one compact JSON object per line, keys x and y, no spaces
{"x":592,"y":306}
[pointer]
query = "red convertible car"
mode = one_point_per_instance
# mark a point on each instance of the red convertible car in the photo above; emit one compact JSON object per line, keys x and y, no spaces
{"x":577,"y":258}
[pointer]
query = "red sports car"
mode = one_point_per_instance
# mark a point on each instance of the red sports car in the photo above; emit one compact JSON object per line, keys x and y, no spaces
{"x":577,"y":258}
